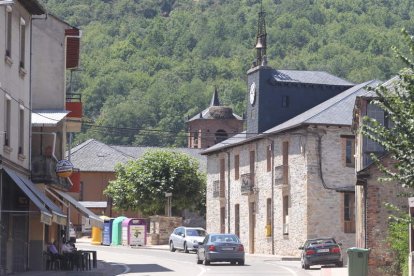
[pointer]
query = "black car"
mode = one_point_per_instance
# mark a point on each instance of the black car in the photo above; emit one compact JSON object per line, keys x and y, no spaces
{"x":220,"y":248}
{"x":321,"y":251}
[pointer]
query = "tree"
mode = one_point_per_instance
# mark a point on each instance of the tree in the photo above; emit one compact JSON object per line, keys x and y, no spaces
{"x":397,"y":101}
{"x":141,"y":184}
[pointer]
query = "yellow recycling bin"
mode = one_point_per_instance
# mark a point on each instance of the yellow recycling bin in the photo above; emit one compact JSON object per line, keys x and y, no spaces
{"x":96,"y":235}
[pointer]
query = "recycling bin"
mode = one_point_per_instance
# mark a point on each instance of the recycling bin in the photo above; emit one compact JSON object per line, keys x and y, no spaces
{"x":134,"y":232}
{"x":107,"y":232}
{"x":117,"y":230}
{"x":357,"y":261}
{"x":96,"y":235}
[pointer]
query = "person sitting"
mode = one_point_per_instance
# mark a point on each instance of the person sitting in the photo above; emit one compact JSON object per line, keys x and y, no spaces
{"x":55,"y":257}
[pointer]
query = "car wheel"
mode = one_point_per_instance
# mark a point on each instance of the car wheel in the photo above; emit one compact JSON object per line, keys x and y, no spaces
{"x":185,"y":248}
{"x":206,"y":262}
{"x":340,"y":264}
{"x":306,"y":266}
{"x":172,"y":248}
{"x":241,"y":262}
{"x":233,"y":262}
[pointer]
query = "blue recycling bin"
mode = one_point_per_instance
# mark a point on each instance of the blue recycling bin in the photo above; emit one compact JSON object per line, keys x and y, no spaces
{"x":107,"y":232}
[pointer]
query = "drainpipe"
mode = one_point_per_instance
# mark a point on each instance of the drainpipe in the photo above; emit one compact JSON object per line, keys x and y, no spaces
{"x":365,"y":215}
{"x":272,"y":212}
{"x":228,"y":191}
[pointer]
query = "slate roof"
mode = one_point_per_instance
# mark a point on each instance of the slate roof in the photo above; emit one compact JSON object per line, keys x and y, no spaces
{"x":309,"y":77}
{"x":33,"y":6}
{"x":95,"y":156}
{"x":337,"y":110}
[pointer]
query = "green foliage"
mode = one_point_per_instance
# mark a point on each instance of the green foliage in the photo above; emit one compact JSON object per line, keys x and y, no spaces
{"x":142,"y":184}
{"x":398,"y":240}
{"x":177,"y":42}
{"x":397,"y":100}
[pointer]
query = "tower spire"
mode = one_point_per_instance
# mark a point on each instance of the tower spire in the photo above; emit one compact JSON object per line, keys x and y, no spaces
{"x":261,"y":43}
{"x":215,"y":99}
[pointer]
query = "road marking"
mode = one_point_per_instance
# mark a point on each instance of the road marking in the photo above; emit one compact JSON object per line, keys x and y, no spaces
{"x":285,"y":268}
{"x":126,"y":268}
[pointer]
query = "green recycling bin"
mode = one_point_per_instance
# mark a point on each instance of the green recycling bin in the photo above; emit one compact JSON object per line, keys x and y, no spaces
{"x":357,"y":261}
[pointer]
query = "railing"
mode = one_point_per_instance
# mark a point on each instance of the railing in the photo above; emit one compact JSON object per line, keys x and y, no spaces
{"x":74,"y":105}
{"x":44,"y":171}
{"x":247,"y":183}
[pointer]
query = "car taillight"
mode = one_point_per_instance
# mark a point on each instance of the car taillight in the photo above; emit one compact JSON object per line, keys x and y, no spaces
{"x":241,"y":248}
{"x":310,"y":252}
{"x":211,"y":248}
{"x":335,"y":250}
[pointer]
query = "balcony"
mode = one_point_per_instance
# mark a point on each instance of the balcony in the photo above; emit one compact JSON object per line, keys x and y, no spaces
{"x":44,"y":171}
{"x":247,"y":183}
{"x":74,"y":118}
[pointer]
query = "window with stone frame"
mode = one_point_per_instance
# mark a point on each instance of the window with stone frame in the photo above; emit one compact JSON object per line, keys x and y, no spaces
{"x":222,"y":219}
{"x":349,"y":212}
{"x":21,"y":131}
{"x":236,"y":167}
{"x":8,"y":30}
{"x":285,"y":215}
{"x":237,"y":220}
{"x":269,"y":158}
{"x":222,"y":177}
{"x":22,"y":43}
{"x":7,"y":121}
{"x":268,"y":217}
{"x":285,"y":155}
{"x":348,"y":150}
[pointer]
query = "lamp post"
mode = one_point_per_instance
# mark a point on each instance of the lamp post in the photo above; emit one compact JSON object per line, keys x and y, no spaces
{"x":169,"y":203}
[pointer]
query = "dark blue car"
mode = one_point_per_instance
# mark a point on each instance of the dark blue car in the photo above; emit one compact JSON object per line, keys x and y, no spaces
{"x":220,"y":248}
{"x":321,"y":251}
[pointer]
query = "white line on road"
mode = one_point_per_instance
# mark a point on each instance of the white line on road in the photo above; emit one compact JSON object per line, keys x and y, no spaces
{"x":285,"y":268}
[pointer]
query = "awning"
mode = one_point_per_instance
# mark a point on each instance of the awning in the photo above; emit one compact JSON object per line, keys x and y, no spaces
{"x":47,"y":117}
{"x":95,"y":220}
{"x":58,"y":216}
{"x":45,"y":215}
{"x":94,"y":204}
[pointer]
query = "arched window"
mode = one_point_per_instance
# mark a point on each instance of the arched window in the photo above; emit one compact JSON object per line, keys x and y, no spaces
{"x":221,"y":135}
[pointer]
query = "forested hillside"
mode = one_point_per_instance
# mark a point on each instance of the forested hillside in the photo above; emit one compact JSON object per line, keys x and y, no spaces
{"x":148,"y":64}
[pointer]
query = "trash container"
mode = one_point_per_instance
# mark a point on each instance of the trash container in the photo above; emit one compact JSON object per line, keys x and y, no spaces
{"x":357,"y":261}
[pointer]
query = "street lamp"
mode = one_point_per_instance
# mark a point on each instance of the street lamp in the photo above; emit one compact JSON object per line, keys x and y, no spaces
{"x":169,"y":203}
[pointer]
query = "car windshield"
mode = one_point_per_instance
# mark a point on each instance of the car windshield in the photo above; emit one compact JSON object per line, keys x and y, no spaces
{"x":224,"y":238}
{"x":196,"y":232}
{"x":319,"y":241}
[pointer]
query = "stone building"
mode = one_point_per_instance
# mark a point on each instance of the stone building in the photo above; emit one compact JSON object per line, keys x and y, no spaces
{"x":371,"y":194}
{"x":213,"y":125}
{"x":292,"y":182}
{"x":290,"y":176}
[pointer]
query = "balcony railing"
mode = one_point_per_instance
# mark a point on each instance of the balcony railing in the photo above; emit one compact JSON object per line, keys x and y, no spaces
{"x":247,"y":183}
{"x":44,"y":171}
{"x":74,"y":105}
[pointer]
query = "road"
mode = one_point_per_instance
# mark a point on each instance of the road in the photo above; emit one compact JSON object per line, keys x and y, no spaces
{"x":149,"y":262}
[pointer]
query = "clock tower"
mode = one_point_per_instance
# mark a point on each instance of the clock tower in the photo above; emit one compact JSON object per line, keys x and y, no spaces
{"x":275,"y":96}
{"x":255,"y":77}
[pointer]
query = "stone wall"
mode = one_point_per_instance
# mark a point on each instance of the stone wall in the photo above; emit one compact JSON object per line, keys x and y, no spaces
{"x":381,"y":257}
{"x":161,"y":227}
{"x":314,"y":210}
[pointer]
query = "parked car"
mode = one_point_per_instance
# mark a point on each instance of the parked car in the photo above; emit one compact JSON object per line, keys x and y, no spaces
{"x":321,"y":251}
{"x":186,"y":238}
{"x":220,"y":248}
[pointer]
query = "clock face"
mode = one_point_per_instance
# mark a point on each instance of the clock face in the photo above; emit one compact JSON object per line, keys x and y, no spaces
{"x":252,"y":93}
